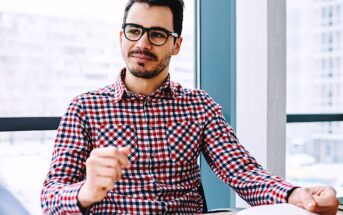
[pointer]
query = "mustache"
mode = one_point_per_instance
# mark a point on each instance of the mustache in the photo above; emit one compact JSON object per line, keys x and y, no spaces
{"x":143,"y":52}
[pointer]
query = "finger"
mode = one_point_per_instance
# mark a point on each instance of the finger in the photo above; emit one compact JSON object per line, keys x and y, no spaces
{"x":113,"y":152}
{"x":104,"y":152}
{"x":110,"y":172}
{"x":104,"y":183}
{"x":126,"y":150}
{"x":326,"y":211}
{"x":327,"y":205}
{"x":115,"y":173}
{"x":106,"y":162}
{"x":325,"y":198}
{"x":307,"y":199}
{"x":122,"y":157}
{"x":108,"y":151}
{"x":301,"y":205}
{"x":118,"y":174}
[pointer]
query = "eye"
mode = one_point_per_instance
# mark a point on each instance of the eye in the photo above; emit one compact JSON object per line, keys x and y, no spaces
{"x":133,"y":31}
{"x":158,"y":34}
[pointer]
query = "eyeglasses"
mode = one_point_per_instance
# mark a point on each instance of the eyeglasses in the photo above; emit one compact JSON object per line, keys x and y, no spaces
{"x":156,"y":35}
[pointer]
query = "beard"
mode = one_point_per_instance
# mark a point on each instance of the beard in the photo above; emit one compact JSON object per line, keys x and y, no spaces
{"x":139,"y":70}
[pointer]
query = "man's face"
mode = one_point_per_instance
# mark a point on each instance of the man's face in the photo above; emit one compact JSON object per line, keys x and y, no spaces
{"x":142,"y":58}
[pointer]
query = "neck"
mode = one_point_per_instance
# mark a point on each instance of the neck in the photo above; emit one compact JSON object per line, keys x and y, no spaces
{"x":144,"y":86}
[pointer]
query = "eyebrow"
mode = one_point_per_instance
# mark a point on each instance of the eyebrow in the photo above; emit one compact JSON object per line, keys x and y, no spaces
{"x":153,"y":27}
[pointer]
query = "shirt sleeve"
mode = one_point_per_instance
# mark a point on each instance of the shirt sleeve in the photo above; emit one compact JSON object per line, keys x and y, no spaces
{"x":233,"y":164}
{"x":67,"y":170}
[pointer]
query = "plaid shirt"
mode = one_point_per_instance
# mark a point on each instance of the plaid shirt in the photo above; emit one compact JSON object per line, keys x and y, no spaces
{"x":166,"y":131}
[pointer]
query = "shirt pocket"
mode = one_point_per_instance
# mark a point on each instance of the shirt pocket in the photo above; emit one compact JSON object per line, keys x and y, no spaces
{"x":183,"y":141}
{"x":118,"y":135}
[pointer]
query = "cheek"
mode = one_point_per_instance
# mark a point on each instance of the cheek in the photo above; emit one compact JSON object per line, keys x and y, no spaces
{"x":169,"y":52}
{"x":126,"y":47}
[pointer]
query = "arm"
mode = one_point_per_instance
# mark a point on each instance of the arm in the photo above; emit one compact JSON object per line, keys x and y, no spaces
{"x":67,"y":171}
{"x":232,"y":163}
{"x":66,"y":189}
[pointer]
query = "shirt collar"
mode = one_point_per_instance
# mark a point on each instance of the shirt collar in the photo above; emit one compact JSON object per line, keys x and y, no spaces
{"x":166,"y":90}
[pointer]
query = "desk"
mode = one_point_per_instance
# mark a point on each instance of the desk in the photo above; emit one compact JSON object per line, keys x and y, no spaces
{"x":234,"y":212}
{"x":225,"y":213}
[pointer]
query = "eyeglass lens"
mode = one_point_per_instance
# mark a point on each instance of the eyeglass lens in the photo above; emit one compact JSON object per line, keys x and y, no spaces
{"x":156,"y":37}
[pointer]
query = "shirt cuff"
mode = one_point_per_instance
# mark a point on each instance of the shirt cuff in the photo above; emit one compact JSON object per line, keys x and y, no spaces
{"x":290,"y":192}
{"x":281,"y":191}
{"x":69,"y":201}
{"x":83,"y":210}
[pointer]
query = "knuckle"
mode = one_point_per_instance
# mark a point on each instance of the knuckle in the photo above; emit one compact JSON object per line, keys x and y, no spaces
{"x":115,"y":163}
{"x":114,"y":176}
{"x":109,"y":182}
{"x":89,"y":161}
{"x":94,"y":152}
{"x":115,"y":150}
{"x":119,"y":175}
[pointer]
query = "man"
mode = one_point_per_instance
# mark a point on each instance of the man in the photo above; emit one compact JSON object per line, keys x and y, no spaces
{"x":132,"y":147}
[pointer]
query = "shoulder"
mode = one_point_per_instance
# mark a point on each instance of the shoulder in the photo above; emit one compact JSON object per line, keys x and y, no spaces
{"x":95,"y":96}
{"x":195,"y":93}
{"x":197,"y":96}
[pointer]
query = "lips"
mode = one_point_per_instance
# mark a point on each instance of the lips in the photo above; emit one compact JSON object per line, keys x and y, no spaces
{"x":142,"y":57}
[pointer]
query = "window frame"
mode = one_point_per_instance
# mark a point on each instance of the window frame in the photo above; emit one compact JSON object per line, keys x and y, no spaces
{"x":217,"y":76}
{"x":11,"y":124}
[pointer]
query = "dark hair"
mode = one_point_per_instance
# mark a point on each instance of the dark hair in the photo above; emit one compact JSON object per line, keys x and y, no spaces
{"x":176,"y":6}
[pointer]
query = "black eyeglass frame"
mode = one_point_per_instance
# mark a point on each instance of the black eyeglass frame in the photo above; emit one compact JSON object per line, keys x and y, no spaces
{"x":169,"y":33}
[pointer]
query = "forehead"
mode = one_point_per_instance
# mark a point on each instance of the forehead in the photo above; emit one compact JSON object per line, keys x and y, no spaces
{"x":150,"y":16}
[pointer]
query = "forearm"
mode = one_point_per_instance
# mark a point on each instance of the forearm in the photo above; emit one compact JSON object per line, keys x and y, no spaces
{"x":255,"y":185}
{"x":259,"y":187}
{"x":59,"y":198}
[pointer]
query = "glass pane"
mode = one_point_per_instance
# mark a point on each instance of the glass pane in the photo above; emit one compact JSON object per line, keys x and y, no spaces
{"x":314,"y":154}
{"x":24,"y":162}
{"x":314,"y":56}
{"x":51,"y":51}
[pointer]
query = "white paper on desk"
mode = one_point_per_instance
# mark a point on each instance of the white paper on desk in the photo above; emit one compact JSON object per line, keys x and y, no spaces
{"x":278,"y":209}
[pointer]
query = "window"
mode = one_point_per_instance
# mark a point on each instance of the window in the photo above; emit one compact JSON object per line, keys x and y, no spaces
{"x":24,"y":162}
{"x":49,"y":53}
{"x":314,"y":92}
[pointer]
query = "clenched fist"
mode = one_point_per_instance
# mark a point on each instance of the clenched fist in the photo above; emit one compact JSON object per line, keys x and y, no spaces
{"x":103,"y":167}
{"x":319,"y":199}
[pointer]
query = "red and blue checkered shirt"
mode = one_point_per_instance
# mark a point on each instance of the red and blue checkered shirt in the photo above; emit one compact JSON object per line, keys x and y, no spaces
{"x":166,"y":131}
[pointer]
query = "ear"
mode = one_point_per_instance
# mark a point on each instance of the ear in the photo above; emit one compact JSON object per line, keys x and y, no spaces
{"x":177,"y":45}
{"x":121,"y":38}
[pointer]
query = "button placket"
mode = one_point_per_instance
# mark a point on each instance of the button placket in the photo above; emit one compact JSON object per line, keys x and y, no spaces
{"x":149,"y":127}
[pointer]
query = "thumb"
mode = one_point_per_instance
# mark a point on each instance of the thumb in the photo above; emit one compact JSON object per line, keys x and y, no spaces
{"x":126,"y":150}
{"x":307,"y":200}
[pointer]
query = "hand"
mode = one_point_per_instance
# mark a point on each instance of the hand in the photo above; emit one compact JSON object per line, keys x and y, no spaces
{"x":103,"y":167}
{"x":321,"y":200}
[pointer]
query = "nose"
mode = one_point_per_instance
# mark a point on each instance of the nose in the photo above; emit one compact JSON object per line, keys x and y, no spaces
{"x":144,"y":42}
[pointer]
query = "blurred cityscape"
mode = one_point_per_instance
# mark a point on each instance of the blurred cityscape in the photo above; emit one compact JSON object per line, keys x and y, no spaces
{"x":45,"y":61}
{"x":315,"y":85}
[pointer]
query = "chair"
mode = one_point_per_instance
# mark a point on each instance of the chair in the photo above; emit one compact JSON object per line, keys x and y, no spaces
{"x":9,"y":205}
{"x":206,"y":211}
